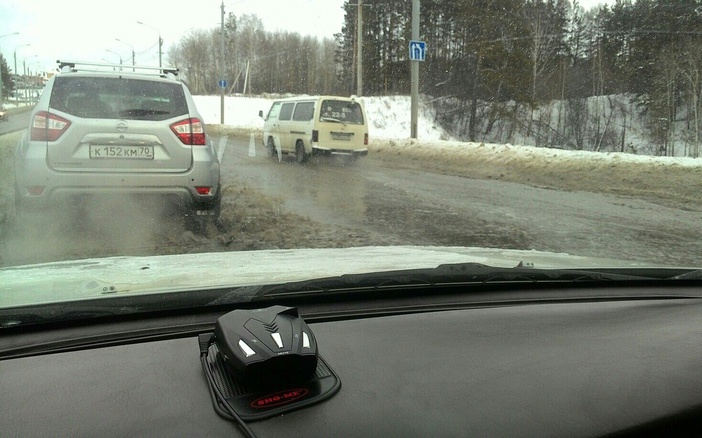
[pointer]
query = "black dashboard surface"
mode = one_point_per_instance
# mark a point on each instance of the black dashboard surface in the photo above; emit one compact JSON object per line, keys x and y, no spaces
{"x":550,"y":369}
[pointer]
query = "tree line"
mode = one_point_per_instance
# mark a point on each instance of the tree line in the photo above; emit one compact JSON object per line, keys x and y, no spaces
{"x":492,"y":59}
{"x":255,"y":60}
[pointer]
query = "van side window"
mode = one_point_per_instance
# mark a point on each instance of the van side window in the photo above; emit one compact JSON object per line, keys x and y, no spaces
{"x":286,"y":111}
{"x":304,"y":111}
{"x":274,"y":111}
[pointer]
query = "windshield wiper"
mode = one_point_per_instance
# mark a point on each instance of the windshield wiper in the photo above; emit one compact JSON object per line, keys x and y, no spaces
{"x":138,"y":112}
{"x":695,"y":274}
{"x":118,"y":306}
{"x":53,"y":314}
{"x":331,"y":119}
{"x":461,"y":274}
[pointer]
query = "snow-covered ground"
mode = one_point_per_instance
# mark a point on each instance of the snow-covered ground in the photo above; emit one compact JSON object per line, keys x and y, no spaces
{"x":388,"y":116}
{"x":389,"y":120}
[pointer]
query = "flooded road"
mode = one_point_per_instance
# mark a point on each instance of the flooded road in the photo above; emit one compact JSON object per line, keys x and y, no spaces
{"x":426,"y":208}
{"x":333,"y":203}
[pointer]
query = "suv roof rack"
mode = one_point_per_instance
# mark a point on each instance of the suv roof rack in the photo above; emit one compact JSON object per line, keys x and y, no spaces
{"x":164,"y":72}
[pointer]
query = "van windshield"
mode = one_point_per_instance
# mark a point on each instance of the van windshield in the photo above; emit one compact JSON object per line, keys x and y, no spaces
{"x":341,"y":111}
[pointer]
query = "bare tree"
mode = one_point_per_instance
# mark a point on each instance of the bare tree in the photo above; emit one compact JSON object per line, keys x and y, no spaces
{"x":662,"y":100}
{"x":691,"y":70}
{"x":546,"y":30}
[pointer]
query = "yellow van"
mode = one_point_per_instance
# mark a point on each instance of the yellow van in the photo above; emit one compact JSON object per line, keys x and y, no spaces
{"x":316,"y":125}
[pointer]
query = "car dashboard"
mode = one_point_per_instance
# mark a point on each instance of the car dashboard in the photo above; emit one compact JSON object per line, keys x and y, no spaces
{"x":542,"y":363}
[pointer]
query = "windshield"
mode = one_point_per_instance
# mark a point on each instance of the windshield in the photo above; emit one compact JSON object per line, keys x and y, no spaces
{"x":189,"y":147}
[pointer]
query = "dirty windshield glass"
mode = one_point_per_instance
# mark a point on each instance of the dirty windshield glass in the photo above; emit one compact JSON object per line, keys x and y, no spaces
{"x":169,"y":146}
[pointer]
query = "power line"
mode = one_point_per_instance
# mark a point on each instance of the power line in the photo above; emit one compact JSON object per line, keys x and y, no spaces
{"x":147,"y":50}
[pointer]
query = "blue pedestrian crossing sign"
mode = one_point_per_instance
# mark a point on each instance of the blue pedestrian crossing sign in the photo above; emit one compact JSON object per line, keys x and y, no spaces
{"x":418,"y":50}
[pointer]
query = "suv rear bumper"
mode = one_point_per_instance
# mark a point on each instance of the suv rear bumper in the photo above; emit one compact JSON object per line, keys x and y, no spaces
{"x":39,"y":186}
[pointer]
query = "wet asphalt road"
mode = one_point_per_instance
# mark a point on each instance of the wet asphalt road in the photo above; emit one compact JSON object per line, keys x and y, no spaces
{"x":15,"y":122}
{"x":424,"y":208}
{"x":369,"y":203}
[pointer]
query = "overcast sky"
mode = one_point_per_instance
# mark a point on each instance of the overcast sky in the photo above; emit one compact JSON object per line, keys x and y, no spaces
{"x":80,"y":29}
{"x":88,"y":29}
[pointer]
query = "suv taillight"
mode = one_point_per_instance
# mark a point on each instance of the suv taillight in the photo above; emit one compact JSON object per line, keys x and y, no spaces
{"x":315,"y":136}
{"x":48,"y":127}
{"x":190,"y":131}
{"x":365,"y":140}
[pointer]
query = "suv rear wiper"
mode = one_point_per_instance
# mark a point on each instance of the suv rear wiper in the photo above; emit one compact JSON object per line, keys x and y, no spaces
{"x":139,"y":112}
{"x":463,"y":274}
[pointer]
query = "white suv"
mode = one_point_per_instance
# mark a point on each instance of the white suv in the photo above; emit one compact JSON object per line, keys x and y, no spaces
{"x":97,"y":133}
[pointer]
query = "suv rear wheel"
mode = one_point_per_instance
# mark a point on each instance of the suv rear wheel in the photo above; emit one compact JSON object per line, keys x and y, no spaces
{"x":200,"y":223}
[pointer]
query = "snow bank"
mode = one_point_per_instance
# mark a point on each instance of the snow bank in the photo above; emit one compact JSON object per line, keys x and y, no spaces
{"x":389,"y":125}
{"x":388,"y":116}
{"x":507,"y":152}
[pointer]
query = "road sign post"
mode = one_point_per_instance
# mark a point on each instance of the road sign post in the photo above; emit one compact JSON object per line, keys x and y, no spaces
{"x":417,"y":52}
{"x":222,"y":82}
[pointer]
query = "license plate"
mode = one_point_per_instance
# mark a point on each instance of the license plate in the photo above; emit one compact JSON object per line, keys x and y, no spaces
{"x":126,"y":152}
{"x":341,"y":136}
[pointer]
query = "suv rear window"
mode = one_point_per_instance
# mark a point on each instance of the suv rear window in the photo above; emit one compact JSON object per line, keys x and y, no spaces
{"x":118,"y":98}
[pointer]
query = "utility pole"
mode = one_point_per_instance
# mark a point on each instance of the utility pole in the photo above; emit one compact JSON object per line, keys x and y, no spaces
{"x":118,"y":55}
{"x":415,"y":72}
{"x":359,"y":47}
{"x":246,"y":76}
{"x":160,"y":42}
{"x":221,"y":70}
{"x":15,"y":55}
{"x":359,"y":38}
{"x":16,"y":73}
{"x":133,"y":54}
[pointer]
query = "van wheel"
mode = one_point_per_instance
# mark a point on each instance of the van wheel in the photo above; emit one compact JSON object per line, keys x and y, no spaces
{"x":270,"y":149}
{"x":300,"y":154}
